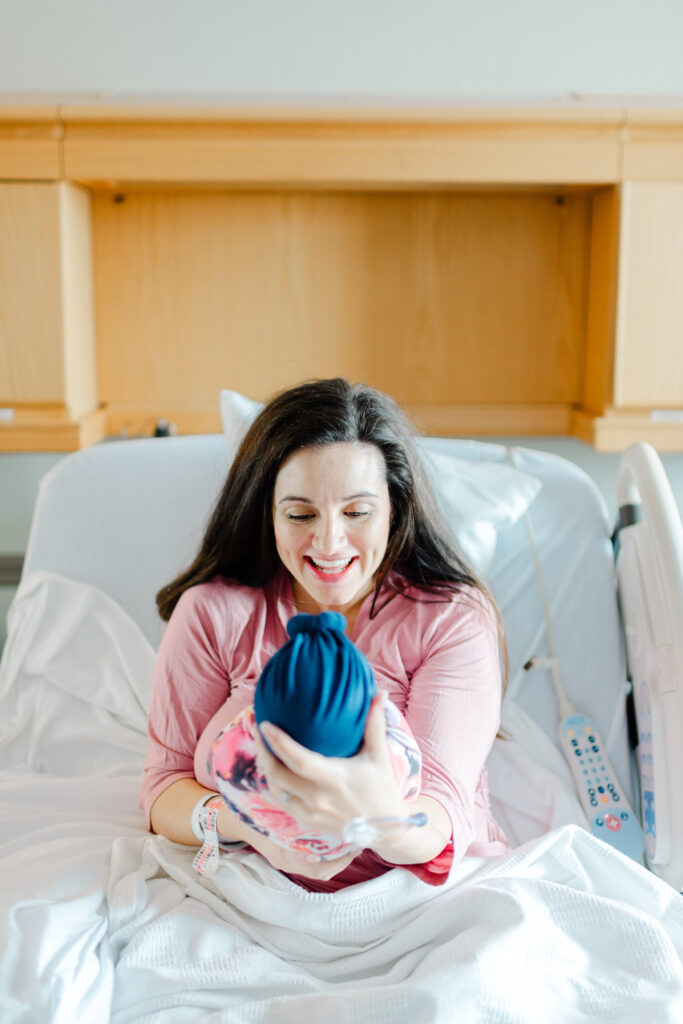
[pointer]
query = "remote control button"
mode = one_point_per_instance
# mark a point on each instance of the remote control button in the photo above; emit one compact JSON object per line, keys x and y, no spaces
{"x":599,"y":821}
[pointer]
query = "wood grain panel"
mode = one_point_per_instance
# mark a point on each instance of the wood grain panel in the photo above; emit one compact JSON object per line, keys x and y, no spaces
{"x":483,"y":296}
{"x":435,"y":298}
{"x":653,"y":146}
{"x":616,"y":430}
{"x":649,"y":361}
{"x":352,"y":151}
{"x":31,"y":358}
{"x":602,"y":300}
{"x":47,"y":347}
{"x":30,"y":140}
{"x":78,"y":301}
{"x":35,"y":430}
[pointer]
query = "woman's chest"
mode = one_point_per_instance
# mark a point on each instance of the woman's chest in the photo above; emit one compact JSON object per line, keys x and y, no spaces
{"x":392,"y":655}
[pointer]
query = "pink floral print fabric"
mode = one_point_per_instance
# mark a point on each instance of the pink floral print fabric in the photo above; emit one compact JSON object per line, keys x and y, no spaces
{"x":232,"y":767}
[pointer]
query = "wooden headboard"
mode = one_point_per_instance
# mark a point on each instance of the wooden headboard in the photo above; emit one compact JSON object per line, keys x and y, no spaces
{"x":499,"y":271}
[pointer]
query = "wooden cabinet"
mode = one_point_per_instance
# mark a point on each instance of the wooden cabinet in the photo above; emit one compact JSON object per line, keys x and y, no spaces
{"x":497,"y":270}
{"x":649,"y":364}
{"x":48,"y":386}
{"x":634,"y":370}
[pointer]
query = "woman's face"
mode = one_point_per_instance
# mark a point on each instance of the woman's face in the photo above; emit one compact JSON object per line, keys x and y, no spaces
{"x":331,"y":517}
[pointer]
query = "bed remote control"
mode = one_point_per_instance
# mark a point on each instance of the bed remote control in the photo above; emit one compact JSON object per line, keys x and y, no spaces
{"x":606,"y":807}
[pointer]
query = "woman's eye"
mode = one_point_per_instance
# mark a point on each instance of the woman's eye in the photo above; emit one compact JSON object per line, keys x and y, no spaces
{"x":354,"y":514}
{"x":299,"y":518}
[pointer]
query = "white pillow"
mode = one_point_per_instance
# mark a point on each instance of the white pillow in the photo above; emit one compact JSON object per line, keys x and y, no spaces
{"x":477,"y":498}
{"x":237,"y":414}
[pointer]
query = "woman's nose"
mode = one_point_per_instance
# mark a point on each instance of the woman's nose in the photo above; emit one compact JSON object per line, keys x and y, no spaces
{"x":329,"y":534}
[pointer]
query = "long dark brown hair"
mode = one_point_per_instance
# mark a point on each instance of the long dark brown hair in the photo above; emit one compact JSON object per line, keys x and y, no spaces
{"x":239,"y":542}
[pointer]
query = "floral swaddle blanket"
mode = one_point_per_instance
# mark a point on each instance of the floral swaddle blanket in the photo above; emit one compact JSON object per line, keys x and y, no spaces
{"x":232,"y":767}
{"x":318,"y":688}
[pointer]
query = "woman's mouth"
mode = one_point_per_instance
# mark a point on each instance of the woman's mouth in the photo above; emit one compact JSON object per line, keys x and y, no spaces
{"x":330,"y":569}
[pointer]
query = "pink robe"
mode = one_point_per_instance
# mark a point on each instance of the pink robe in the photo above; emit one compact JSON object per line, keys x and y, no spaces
{"x":437,"y":660}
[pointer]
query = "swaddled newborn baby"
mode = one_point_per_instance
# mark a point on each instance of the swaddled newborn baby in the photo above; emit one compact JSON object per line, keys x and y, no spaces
{"x":318,"y":687}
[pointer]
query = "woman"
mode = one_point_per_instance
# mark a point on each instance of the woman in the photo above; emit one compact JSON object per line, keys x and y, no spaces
{"x":325,"y":507}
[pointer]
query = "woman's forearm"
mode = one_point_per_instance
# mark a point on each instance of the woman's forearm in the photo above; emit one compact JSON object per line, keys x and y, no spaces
{"x":171,"y":814}
{"x":416,"y":844}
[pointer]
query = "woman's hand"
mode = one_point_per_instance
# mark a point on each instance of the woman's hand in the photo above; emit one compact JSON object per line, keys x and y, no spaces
{"x":326,"y":792}
{"x":293,"y":863}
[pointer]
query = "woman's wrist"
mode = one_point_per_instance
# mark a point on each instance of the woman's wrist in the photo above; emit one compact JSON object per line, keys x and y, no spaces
{"x":231,"y":829}
{"x":415,"y":844}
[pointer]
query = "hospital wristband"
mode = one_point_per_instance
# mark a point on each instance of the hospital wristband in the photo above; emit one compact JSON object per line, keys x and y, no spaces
{"x":199,"y":813}
{"x":203,"y":821}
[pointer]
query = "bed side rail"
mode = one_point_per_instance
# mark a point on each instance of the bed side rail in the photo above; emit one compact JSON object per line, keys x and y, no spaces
{"x":649,"y":560}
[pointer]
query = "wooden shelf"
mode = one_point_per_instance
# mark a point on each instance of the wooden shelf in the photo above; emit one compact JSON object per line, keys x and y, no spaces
{"x":500,"y":269}
{"x":30,"y":143}
{"x":40,"y":431}
{"x":614,"y":431}
{"x":319,"y":149}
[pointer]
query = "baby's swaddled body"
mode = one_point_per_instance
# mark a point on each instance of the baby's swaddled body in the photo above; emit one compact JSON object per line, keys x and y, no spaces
{"x":318,"y":688}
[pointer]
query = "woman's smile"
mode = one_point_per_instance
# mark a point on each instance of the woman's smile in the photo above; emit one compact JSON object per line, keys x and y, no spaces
{"x":331,"y":570}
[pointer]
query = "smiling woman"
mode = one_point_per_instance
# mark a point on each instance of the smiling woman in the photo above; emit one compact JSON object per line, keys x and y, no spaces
{"x":325,"y":508}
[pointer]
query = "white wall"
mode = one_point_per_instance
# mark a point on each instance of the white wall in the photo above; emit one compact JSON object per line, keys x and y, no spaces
{"x":394,"y":49}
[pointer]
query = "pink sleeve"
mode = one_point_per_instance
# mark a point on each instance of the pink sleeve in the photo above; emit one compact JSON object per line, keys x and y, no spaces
{"x":190,"y":685}
{"x":454,"y":708}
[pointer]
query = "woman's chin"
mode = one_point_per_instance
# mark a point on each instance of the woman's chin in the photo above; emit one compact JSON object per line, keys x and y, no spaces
{"x":330,"y":598}
{"x":331,"y":595}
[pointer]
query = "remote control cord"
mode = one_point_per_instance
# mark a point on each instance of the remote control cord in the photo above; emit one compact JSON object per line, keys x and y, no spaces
{"x":552,"y":662}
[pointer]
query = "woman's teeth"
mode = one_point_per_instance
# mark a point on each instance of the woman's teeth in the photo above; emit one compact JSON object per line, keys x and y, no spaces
{"x":331,"y":567}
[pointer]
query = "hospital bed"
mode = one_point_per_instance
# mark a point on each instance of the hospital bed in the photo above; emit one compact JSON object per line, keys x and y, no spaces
{"x":103,"y":921}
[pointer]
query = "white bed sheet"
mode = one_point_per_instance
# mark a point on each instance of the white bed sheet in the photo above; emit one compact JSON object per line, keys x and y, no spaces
{"x":103,"y":919}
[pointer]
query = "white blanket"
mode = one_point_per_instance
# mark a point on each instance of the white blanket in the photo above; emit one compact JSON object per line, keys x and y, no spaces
{"x":102,"y":921}
{"x":542,"y":935}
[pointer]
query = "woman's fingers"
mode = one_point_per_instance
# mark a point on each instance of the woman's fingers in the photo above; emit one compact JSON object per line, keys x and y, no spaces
{"x":375,"y":736}
{"x":301,"y":761}
{"x":293,"y":790}
{"x":326,"y":792}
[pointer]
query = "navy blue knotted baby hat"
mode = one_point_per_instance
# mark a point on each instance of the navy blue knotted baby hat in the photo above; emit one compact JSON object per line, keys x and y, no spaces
{"x":318,"y":686}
